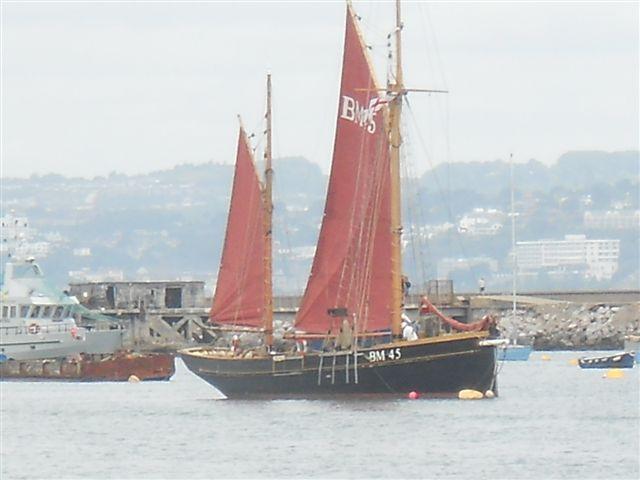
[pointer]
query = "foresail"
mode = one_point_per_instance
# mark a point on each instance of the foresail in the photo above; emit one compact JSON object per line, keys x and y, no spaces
{"x":239,"y":295}
{"x":352,"y":264}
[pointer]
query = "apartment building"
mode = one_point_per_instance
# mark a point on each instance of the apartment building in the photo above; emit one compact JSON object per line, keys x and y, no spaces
{"x":595,"y":258}
{"x":612,"y":219}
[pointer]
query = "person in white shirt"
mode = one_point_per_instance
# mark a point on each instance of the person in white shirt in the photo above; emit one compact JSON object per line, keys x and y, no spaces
{"x":408,"y":328}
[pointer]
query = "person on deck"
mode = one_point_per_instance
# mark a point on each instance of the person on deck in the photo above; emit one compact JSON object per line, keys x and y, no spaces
{"x":494,"y":331}
{"x":408,"y":328}
{"x":328,"y":342}
{"x":344,"y":340}
{"x":406,"y":285}
{"x":235,"y":345}
{"x":481,"y":285}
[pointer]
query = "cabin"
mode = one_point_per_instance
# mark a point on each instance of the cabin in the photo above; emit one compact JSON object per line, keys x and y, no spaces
{"x":156,"y":295}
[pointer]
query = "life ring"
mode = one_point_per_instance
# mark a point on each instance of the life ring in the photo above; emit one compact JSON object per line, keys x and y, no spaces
{"x":34,"y":329}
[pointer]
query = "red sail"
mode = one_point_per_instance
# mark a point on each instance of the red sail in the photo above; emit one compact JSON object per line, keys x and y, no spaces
{"x":352,"y":265}
{"x":239,"y":296}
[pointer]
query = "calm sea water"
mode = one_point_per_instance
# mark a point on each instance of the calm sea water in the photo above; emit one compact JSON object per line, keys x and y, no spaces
{"x":552,"y":420}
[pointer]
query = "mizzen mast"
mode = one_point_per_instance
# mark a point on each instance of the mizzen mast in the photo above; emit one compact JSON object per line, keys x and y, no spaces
{"x":396,"y":91}
{"x":268,"y":226}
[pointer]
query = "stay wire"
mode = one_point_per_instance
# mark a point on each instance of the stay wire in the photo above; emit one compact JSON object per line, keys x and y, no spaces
{"x":447,"y":204}
{"x":412,"y":196}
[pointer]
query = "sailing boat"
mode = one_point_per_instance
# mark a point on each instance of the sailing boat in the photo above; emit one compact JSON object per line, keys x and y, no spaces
{"x":243,"y":292}
{"x":513,"y":351}
{"x":353,"y":302}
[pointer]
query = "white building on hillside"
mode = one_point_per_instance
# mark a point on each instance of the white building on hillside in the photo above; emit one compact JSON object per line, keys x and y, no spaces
{"x":32,"y":249}
{"x":596,"y":258}
{"x":15,"y":229}
{"x":482,"y":222}
{"x":17,"y":238}
{"x":612,"y":219}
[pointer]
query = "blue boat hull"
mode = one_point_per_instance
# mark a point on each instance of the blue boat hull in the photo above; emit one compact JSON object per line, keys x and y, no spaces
{"x":517,"y":353}
{"x":620,"y":360}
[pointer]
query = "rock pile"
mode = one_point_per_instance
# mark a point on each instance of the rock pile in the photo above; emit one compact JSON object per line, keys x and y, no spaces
{"x":566,"y":326}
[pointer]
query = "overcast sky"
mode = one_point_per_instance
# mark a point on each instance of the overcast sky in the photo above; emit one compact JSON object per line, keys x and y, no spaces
{"x":90,"y":88}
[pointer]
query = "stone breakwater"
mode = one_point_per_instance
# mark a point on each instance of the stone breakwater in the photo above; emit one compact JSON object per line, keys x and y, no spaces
{"x":567,"y":326}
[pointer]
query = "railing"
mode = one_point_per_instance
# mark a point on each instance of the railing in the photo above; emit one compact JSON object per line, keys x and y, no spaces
{"x":41,"y":329}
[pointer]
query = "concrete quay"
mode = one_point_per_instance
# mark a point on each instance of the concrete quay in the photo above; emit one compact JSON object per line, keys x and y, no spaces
{"x":172,"y":315}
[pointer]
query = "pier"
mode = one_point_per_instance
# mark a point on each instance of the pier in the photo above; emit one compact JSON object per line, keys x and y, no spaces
{"x":168,"y":315}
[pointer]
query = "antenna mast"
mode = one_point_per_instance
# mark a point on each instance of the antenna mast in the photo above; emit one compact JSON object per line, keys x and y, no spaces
{"x":268,"y":226}
{"x":513,"y":242}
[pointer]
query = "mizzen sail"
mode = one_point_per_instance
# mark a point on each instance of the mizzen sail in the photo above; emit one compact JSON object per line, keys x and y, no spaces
{"x":352,"y":265}
{"x":240,"y":289}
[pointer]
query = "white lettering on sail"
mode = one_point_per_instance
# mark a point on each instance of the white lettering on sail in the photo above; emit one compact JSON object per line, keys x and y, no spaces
{"x":348,"y":108}
{"x":356,"y":113}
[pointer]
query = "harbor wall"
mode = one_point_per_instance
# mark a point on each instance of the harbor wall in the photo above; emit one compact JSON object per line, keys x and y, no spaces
{"x":573,"y":326}
{"x":548,"y":320}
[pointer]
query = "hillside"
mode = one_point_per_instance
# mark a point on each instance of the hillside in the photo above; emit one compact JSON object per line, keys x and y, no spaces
{"x":170,"y":223}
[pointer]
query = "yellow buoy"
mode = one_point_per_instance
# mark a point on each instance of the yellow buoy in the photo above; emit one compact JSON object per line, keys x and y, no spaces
{"x":468,"y":394}
{"x":133,"y":379}
{"x":614,"y":373}
{"x":489,"y":394}
{"x":546,"y":358}
{"x":573,"y":361}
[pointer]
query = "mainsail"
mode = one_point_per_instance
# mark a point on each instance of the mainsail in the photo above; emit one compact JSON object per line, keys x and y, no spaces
{"x":240,"y":289}
{"x":352,"y":265}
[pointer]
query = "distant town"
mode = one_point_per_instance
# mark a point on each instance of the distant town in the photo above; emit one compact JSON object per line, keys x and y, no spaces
{"x":577,"y":223}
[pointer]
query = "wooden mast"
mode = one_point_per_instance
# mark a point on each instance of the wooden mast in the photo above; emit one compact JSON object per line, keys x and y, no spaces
{"x":268,"y":228}
{"x":396,"y":90}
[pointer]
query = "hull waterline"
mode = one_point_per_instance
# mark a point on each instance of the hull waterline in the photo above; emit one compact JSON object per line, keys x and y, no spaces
{"x":435,"y":367}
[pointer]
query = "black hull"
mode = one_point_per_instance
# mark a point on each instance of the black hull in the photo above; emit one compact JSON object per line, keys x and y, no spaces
{"x":434,"y":367}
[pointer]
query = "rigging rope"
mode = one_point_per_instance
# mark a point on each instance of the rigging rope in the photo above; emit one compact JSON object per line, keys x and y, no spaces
{"x":414,"y":227}
{"x":447,"y":204}
{"x":436,"y":65}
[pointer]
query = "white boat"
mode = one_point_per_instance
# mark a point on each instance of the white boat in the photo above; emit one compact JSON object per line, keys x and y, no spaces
{"x":37,"y":322}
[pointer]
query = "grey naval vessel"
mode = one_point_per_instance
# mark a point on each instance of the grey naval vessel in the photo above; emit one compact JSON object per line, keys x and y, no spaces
{"x":39,"y":322}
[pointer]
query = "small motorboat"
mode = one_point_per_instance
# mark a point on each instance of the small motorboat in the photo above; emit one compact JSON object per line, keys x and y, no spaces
{"x":618,"y":360}
{"x":514,"y":352}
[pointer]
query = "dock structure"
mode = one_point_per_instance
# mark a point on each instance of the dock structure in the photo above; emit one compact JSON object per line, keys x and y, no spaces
{"x":173,"y":314}
{"x":158,"y":314}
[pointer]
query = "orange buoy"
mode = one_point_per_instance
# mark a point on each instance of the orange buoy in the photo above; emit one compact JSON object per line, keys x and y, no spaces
{"x":414,"y":395}
{"x":614,"y":373}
